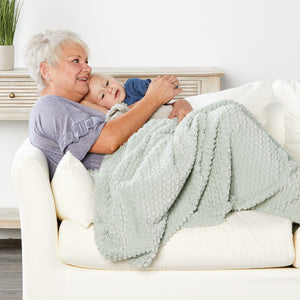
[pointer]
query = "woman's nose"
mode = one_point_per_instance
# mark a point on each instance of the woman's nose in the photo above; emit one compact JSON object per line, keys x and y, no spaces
{"x":87,"y":68}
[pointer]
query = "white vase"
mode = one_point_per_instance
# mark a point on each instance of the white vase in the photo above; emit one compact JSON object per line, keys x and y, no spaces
{"x":6,"y":57}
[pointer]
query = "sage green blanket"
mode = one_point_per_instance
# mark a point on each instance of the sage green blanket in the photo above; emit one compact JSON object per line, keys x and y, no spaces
{"x":168,"y":176}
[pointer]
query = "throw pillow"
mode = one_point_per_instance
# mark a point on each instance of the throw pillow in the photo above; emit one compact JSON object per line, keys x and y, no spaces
{"x":72,"y":188}
{"x":288,"y":93}
{"x":255,"y":96}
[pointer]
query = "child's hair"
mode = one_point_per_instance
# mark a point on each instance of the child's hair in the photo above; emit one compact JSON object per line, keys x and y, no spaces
{"x":102,"y":75}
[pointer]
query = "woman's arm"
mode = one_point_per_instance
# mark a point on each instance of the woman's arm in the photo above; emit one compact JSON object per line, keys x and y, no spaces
{"x":117,"y":132}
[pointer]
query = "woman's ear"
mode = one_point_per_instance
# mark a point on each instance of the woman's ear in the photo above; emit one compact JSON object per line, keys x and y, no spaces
{"x":45,"y":71}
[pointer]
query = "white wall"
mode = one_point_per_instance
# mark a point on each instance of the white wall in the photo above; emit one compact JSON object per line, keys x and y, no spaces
{"x":250,"y":39}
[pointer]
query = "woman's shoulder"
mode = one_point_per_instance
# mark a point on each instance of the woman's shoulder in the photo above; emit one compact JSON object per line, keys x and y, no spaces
{"x":53,"y":102}
{"x":58,"y":105}
{"x":53,"y":106}
{"x":49,"y":104}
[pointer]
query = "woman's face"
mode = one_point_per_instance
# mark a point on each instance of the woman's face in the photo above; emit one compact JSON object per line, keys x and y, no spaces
{"x":69,"y":78}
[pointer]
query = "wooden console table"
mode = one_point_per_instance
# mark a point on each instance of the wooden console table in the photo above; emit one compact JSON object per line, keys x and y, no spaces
{"x":9,"y":218}
{"x":18,"y":92}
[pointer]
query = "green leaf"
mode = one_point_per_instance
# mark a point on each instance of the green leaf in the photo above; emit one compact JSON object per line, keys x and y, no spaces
{"x":9,"y":16}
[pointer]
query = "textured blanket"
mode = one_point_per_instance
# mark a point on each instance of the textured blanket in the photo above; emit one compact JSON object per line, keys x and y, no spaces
{"x":169,"y":176}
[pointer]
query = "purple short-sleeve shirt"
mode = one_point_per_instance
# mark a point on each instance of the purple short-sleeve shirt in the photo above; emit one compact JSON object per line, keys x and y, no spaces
{"x":57,"y":124}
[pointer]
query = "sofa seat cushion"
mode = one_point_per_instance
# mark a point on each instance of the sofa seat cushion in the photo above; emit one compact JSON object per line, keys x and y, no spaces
{"x":247,"y":239}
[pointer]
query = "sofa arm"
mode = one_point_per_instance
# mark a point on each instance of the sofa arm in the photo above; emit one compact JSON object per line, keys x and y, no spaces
{"x":38,"y":222}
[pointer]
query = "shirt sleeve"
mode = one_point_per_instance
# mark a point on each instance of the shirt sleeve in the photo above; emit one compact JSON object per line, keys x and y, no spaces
{"x":59,"y":125}
{"x":81,"y":136}
{"x":135,"y":89}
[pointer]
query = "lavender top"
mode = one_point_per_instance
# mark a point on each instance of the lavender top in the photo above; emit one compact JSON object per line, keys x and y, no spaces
{"x":57,"y":124}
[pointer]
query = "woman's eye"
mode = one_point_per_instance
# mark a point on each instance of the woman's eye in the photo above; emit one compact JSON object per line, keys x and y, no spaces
{"x":107,"y":82}
{"x":76,"y":60}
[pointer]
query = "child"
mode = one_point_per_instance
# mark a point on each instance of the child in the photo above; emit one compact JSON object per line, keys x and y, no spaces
{"x":106,"y":92}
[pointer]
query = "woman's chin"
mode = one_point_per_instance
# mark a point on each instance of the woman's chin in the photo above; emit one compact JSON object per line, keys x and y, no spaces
{"x":83,"y":87}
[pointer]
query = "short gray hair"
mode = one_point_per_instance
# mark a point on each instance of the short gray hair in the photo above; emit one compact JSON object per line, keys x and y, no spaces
{"x":47,"y":47}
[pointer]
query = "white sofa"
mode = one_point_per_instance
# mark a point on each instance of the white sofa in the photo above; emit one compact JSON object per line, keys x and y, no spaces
{"x":50,"y":272}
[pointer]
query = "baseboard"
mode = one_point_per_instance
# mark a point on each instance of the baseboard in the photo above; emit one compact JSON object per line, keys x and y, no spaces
{"x":10,"y":234}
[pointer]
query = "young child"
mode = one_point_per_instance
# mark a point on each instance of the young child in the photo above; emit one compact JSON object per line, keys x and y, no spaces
{"x":106,"y":92}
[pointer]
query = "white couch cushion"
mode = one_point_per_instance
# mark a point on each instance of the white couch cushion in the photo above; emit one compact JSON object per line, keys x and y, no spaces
{"x":247,"y":239}
{"x":255,"y":96}
{"x":72,"y":188}
{"x":275,"y":121}
{"x":288,"y":93}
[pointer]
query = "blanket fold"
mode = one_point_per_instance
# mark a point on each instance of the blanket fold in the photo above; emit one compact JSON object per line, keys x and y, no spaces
{"x":169,"y":176}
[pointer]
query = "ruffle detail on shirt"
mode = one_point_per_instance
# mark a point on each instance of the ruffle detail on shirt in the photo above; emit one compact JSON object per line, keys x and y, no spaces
{"x":79,"y":130}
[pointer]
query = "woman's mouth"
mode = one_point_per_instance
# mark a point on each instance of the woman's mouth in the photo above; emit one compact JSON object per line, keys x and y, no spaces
{"x":117,"y":93}
{"x":82,"y":79}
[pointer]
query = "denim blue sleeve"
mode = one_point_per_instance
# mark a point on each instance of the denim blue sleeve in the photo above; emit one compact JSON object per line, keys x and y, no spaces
{"x":135,"y":89}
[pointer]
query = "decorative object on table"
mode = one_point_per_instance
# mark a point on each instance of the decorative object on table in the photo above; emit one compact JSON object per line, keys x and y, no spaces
{"x":9,"y":16}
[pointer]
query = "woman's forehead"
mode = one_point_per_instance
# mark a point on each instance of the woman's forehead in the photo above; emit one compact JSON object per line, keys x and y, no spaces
{"x":72,"y":49}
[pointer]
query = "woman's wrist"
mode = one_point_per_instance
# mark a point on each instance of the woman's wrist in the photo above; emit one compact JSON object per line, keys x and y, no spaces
{"x":152,"y":101}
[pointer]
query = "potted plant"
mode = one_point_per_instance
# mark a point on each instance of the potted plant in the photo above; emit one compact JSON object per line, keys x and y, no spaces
{"x":9,"y":16}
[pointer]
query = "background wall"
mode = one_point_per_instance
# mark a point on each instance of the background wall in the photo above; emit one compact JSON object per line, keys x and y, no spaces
{"x":250,"y":39}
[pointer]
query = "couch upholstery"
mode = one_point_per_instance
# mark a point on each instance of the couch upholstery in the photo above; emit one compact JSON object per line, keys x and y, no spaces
{"x":45,"y":276}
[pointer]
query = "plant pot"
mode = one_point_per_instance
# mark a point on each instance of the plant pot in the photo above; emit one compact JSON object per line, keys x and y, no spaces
{"x":6,"y":57}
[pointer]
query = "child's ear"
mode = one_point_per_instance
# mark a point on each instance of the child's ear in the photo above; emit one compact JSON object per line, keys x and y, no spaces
{"x":45,"y":71}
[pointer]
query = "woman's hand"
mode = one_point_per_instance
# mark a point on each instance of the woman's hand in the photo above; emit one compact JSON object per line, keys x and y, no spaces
{"x":163,"y":89}
{"x":181,"y":108}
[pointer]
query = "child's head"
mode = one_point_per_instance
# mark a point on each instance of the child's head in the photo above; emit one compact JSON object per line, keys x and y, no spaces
{"x":105,"y":91}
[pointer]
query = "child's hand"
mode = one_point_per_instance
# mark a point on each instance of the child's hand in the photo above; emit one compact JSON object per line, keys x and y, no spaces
{"x":181,"y":108}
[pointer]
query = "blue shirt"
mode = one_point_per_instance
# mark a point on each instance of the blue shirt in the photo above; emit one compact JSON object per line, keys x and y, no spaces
{"x":57,"y":124}
{"x":135,"y":89}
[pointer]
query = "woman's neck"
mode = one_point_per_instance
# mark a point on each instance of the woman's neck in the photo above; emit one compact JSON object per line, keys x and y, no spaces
{"x":61,"y":93}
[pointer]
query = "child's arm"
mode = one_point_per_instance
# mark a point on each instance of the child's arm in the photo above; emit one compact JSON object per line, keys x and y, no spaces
{"x":181,"y":108}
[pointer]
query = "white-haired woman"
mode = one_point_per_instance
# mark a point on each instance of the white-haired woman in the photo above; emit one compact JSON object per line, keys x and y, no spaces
{"x":58,"y":61}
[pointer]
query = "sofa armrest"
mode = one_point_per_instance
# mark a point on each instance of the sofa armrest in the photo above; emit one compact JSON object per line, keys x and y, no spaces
{"x":38,"y":221}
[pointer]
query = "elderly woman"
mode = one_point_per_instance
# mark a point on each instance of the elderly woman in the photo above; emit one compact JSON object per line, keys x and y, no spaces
{"x":58,"y":61}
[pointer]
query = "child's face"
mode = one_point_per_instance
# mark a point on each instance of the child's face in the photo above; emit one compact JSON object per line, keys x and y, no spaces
{"x":106,"y":91}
